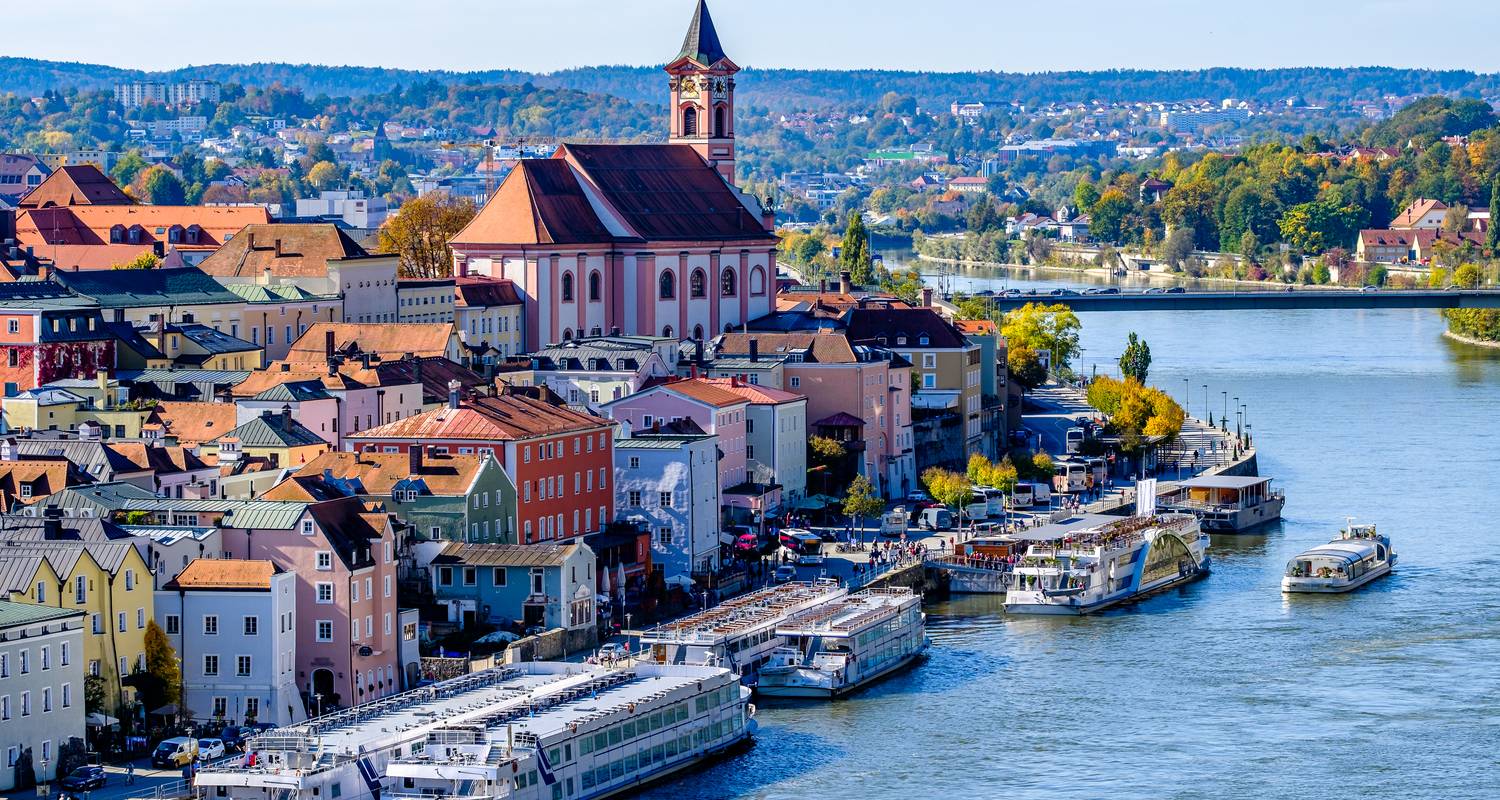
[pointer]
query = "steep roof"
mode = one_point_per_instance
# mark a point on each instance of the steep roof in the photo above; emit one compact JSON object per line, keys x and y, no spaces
{"x":162,"y":460}
{"x":76,"y":185}
{"x":289,"y":250}
{"x":481,"y":291}
{"x":701,"y":44}
{"x":136,"y":288}
{"x":666,"y":192}
{"x":44,"y":476}
{"x":507,"y":417}
{"x":540,"y":202}
{"x":350,"y":528}
{"x":704,"y":390}
{"x":224,"y":574}
{"x":193,"y":423}
{"x":382,"y":473}
{"x":15,"y":615}
{"x":90,"y":456}
{"x":757,"y":395}
{"x":390,"y":340}
{"x":274,"y":430}
{"x":823,"y":347}
{"x":1418,"y":209}
{"x":887,"y":325}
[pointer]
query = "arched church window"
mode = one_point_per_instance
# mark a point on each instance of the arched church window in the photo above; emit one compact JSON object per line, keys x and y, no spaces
{"x":594,"y":287}
{"x":728,"y":284}
{"x":697,"y":284}
{"x":667,"y":285}
{"x":567,"y":287}
{"x":720,"y":129}
{"x":690,"y":121}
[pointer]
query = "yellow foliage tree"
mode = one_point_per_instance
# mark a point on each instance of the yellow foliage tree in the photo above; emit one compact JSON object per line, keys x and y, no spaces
{"x":420,"y":231}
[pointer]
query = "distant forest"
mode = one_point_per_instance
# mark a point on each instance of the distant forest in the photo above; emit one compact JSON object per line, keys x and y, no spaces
{"x":794,"y":90}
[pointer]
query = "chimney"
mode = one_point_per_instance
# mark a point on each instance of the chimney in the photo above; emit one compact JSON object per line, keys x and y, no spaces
{"x":927,"y":297}
{"x":103,"y":377}
{"x":333,"y":368}
{"x":614,"y":330}
{"x":846,"y":282}
{"x":754,"y":350}
{"x":265,"y":276}
{"x":416,"y":372}
{"x":286,"y":417}
{"x":698,"y":353}
{"x":414,"y":458}
{"x":278,"y":248}
{"x":52,"y":527}
{"x":453,"y":390}
{"x":328,"y":343}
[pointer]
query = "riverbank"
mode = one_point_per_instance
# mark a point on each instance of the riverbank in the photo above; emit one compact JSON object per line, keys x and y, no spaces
{"x":1462,"y":339}
{"x":1166,"y":278}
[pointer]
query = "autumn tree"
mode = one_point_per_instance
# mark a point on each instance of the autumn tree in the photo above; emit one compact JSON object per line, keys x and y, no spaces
{"x":325,"y":175}
{"x":1468,"y":276}
{"x":1107,"y":216}
{"x":161,"y":187}
{"x":949,"y":488}
{"x":1025,"y":367}
{"x":1136,"y":412}
{"x":1051,"y":329}
{"x":1492,"y":233}
{"x":861,"y":501}
{"x":161,"y":663}
{"x":420,"y":231}
{"x":1135,"y":362}
{"x":146,"y":260}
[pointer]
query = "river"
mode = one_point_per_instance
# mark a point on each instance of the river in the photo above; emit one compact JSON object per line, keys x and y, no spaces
{"x":1225,"y":689}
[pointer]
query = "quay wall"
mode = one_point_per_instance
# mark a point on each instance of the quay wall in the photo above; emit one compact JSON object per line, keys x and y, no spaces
{"x":553,"y":645}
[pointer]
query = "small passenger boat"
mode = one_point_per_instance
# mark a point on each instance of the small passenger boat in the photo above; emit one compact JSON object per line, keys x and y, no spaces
{"x":1358,"y":556}
{"x":840,"y":647}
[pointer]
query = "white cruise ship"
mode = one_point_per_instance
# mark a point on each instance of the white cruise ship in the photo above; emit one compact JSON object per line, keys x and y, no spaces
{"x":740,"y":633}
{"x":839,"y":647}
{"x":1085,"y":570}
{"x":1360,"y":555}
{"x":531,"y":731}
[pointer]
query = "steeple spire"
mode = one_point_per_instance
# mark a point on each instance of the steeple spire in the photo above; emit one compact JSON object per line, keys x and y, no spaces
{"x":702,"y":42}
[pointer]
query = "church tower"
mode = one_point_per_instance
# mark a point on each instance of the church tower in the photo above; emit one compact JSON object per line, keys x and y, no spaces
{"x":702,"y":84}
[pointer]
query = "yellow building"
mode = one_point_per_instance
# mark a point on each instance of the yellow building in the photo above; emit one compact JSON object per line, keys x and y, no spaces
{"x":109,"y":581}
{"x":278,"y":438}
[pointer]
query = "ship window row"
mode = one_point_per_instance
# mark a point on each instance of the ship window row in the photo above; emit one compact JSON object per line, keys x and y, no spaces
{"x":754,"y":639}
{"x":624,"y":732}
{"x":526,"y":779}
{"x":716,"y":698}
{"x":650,"y":757}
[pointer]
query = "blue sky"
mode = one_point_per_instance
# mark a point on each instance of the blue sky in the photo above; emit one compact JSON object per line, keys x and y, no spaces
{"x":546,"y":35}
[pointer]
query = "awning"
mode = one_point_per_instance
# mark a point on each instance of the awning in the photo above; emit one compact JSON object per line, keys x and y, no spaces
{"x":935,"y":398}
{"x":100,"y":720}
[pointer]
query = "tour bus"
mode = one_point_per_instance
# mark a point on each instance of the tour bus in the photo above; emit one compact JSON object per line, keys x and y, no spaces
{"x":1075,"y":437}
{"x":1098,"y":471}
{"x":1069,"y":477}
{"x":994,"y":503}
{"x":979,"y":504}
{"x":1028,"y":494}
{"x":808,"y":546}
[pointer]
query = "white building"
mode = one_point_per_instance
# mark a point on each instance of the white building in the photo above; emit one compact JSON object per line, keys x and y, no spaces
{"x":776,"y":433}
{"x":596,"y":370}
{"x":234,"y":626}
{"x":41,"y":687}
{"x":487,"y":313}
{"x":352,"y":207}
{"x":669,"y":483}
{"x":424,"y":300}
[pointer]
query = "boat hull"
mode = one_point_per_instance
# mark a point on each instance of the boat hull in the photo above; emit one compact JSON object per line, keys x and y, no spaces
{"x":830,"y":692}
{"x":1291,"y":585}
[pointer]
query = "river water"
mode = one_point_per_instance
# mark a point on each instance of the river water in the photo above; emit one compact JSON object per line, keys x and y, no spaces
{"x":1224,"y":689}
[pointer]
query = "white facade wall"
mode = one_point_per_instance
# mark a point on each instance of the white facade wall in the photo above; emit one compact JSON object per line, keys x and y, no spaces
{"x":41,"y":707}
{"x":684,"y":536}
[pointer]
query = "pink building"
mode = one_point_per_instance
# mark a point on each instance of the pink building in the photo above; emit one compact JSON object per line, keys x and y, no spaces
{"x":715,"y":409}
{"x":345,"y":561}
{"x":855,"y":392}
{"x":652,"y":239}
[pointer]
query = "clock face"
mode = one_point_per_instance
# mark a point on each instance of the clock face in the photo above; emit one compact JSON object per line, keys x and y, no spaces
{"x":688,"y":88}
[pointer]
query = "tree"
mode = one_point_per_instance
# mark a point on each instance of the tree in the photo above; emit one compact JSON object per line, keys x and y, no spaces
{"x":1467,"y":276}
{"x":1136,"y":412}
{"x":983,"y":472}
{"x":420,"y":231}
{"x":1492,"y":233}
{"x":1178,"y":247}
{"x":854,"y":253}
{"x":1052,"y":329}
{"x":949,"y":488}
{"x":94,"y":694}
{"x":161,"y":663}
{"x":1319,"y":225}
{"x":825,"y":451}
{"x":325,"y":175}
{"x":146,"y":260}
{"x":1135,"y":362}
{"x":127,"y":167}
{"x":861,"y":501}
{"x":1025,"y":367}
{"x":163,"y":188}
{"x":1107,"y":216}
{"x":1456,"y":218}
{"x":1085,"y":196}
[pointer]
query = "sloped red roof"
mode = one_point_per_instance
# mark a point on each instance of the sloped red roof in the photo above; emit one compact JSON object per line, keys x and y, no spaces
{"x":540,"y":202}
{"x":482,"y":291}
{"x":505,"y":418}
{"x":76,"y":185}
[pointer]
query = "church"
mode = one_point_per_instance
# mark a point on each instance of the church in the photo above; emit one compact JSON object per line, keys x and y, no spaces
{"x":649,"y":239}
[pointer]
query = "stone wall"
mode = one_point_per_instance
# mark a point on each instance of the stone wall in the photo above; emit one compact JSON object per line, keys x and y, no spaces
{"x":552,"y":645}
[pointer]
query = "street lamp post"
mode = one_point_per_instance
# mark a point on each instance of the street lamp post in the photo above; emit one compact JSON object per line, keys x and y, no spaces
{"x":1187,"y":402}
{"x":1224,"y":417}
{"x":1205,"y":400}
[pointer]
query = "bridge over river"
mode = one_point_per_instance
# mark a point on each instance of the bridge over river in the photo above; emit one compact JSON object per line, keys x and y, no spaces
{"x":1251,"y":300}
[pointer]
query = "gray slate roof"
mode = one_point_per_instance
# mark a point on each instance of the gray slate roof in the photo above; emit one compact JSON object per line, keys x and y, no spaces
{"x":504,"y":555}
{"x":14,"y":615}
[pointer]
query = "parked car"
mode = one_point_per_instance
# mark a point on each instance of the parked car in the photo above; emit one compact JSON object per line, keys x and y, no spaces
{"x":210,"y":749}
{"x":612,"y":650}
{"x":84,"y":779}
{"x":784,"y":573}
{"x":1176,"y":290}
{"x":1155,"y":290}
{"x":234,"y":738}
{"x":179,"y":751}
{"x":1370,"y":289}
{"x":918,"y":497}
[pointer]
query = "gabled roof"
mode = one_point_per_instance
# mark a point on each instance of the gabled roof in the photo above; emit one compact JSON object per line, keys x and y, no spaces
{"x":482,"y":291}
{"x":137,"y":288}
{"x":193,"y":423}
{"x":92,"y":457}
{"x":886,"y":325}
{"x":273,"y":430}
{"x":44,"y":476}
{"x":289,"y":250}
{"x":76,"y":185}
{"x":508,"y":417}
{"x":505,"y":555}
{"x":212,"y":341}
{"x":91,"y":224}
{"x":703,"y":390}
{"x":701,"y":44}
{"x":1418,"y":209}
{"x":841,"y":419}
{"x":294,"y":392}
{"x":757,"y":395}
{"x":540,"y":202}
{"x":350,"y":528}
{"x":224,"y":574}
{"x":665,"y":192}
{"x":161,"y":460}
{"x":821,"y":347}
{"x":383,"y":473}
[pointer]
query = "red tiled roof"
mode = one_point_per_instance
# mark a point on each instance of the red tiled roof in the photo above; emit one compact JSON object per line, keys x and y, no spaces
{"x":1413,"y":213}
{"x":481,"y":291}
{"x":288,"y":250}
{"x":705,"y":390}
{"x":508,"y":417}
{"x":91,"y":224}
{"x":224,"y":574}
{"x":390,"y":340}
{"x":759,"y":395}
{"x":76,"y":185}
{"x":193,"y":423}
{"x":540,"y":202}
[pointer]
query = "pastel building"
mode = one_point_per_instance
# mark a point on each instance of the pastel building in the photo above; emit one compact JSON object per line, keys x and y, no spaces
{"x":669,"y":484}
{"x":652,"y":239}
{"x":544,"y":585}
{"x":713,"y":408}
{"x":233,"y":624}
{"x":41,"y":687}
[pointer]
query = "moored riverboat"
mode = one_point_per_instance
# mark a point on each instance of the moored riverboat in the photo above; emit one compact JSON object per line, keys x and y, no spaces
{"x":835,"y":649}
{"x":1360,"y":555}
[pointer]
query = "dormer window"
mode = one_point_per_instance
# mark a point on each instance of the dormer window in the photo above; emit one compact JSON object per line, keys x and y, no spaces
{"x":900,"y":340}
{"x":195,"y":234}
{"x":923,"y":340}
{"x":116,"y":234}
{"x":174,"y":234}
{"x":135,"y":234}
